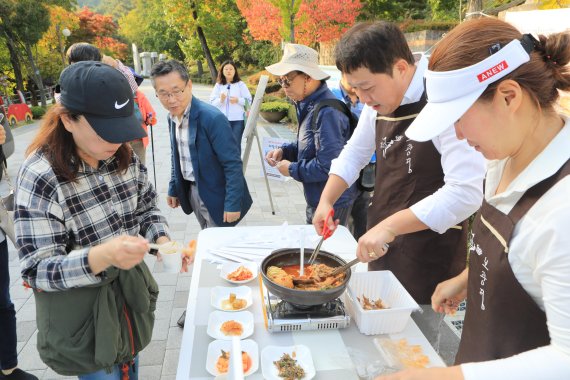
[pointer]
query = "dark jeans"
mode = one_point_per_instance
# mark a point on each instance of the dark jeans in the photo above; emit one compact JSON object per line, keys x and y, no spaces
{"x":8,"y":354}
{"x":359,"y":214}
{"x":339,"y":213}
{"x":237,"y":130}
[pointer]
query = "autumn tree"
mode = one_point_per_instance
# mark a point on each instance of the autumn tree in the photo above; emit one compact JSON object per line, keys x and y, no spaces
{"x":146,"y":26}
{"x":315,"y":21}
{"x":209,"y":28}
{"x":101,"y":31}
{"x":21,"y":35}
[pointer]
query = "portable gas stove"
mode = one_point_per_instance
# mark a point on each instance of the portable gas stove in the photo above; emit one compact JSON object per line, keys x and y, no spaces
{"x":282,"y":316}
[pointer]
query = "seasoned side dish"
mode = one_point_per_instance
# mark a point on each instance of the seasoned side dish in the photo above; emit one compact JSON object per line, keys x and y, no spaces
{"x":223,"y":362}
{"x":233,"y":303}
{"x":240,"y":274}
{"x":288,"y":367}
{"x":231,"y":328}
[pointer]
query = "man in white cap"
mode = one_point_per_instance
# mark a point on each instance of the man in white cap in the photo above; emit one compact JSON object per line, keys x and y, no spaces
{"x":321,"y":136}
{"x":423,"y":191}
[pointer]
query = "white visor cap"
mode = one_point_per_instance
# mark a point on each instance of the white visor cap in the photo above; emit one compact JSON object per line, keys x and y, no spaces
{"x":451,"y":93}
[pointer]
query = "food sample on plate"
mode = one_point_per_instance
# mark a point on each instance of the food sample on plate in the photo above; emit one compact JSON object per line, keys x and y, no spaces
{"x":223,"y":363}
{"x":288,"y":367}
{"x":370,"y":304}
{"x":316,"y":277}
{"x":240,"y":274}
{"x":231,"y":328}
{"x":233,"y":303}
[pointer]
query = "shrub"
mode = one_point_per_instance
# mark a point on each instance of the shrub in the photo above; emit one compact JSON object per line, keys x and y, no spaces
{"x":274,"y":107}
{"x":38,"y":112}
{"x":409,"y":26}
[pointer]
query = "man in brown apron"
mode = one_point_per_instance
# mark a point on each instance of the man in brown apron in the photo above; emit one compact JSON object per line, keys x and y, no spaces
{"x":422,"y":190}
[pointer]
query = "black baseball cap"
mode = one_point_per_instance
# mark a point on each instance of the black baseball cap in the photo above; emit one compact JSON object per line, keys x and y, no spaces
{"x":104,"y":97}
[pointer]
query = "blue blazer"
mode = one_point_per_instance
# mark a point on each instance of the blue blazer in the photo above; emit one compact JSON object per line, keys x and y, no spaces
{"x":216,"y":162}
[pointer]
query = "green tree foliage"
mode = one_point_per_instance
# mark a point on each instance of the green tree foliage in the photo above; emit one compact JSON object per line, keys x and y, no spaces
{"x":214,"y":29}
{"x":115,"y":8}
{"x":21,"y":33}
{"x":394,"y":10}
{"x":146,"y":26}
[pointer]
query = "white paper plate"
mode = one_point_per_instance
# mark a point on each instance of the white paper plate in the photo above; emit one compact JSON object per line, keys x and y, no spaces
{"x":217,"y":318}
{"x":215,"y":350}
{"x":228,"y":268}
{"x":221,"y":293}
{"x":271,"y":354}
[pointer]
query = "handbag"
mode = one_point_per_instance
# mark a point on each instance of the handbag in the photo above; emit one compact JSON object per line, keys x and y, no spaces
{"x":7,"y":208}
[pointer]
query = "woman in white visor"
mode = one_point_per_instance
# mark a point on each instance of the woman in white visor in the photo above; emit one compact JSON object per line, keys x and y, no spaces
{"x":501,"y":89}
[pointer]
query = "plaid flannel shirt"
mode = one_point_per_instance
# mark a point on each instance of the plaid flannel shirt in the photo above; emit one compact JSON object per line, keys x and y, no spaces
{"x":57,"y":222}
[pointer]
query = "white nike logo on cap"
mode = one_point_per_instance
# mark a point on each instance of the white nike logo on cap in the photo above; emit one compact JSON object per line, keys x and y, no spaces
{"x":119,"y":106}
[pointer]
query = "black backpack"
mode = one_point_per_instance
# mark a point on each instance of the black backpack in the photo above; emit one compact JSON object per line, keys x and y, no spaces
{"x":365,"y":181}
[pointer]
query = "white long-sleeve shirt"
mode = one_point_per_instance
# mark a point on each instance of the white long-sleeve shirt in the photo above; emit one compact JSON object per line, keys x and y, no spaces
{"x":539,"y":255}
{"x":232,"y":111}
{"x":463,"y":167}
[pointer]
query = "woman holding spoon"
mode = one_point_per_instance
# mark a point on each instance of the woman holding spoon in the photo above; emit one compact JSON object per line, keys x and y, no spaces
{"x":84,"y":215}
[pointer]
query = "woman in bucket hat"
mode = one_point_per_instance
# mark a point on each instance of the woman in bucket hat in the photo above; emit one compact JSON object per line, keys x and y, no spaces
{"x":500,"y":88}
{"x":83,"y":201}
{"x":308,"y":159}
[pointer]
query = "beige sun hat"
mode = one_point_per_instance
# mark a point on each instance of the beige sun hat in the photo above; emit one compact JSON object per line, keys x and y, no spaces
{"x":299,"y":58}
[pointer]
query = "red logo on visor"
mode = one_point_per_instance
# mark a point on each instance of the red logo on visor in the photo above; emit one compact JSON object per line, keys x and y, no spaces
{"x":492,"y":71}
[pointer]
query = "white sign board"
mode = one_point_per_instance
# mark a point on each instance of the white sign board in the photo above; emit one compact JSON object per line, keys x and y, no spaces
{"x":270,"y":143}
{"x":545,"y":22}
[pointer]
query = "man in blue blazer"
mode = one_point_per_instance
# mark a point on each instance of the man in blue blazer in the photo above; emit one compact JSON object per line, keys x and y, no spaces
{"x":207,"y":175}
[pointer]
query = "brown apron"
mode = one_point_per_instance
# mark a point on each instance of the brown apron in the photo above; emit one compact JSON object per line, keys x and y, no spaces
{"x":502,"y":319}
{"x":406,"y":172}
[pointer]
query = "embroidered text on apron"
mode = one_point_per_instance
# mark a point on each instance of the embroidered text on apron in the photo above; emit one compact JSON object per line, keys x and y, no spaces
{"x":501,"y":319}
{"x":407,"y":172}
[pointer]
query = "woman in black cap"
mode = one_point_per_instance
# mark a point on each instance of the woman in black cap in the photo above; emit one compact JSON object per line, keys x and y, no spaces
{"x":82,"y":204}
{"x":500,"y":88}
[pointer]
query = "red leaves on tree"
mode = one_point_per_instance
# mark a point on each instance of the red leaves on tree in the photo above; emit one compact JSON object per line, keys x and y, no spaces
{"x":100,"y":30}
{"x":316,"y":21}
{"x":263,"y":19}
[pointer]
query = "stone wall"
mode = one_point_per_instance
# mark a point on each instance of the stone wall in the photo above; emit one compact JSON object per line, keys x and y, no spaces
{"x":424,"y":39}
{"x":418,"y":41}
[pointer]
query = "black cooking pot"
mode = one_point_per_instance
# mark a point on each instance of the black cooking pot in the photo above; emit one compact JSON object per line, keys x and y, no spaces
{"x":291,"y":256}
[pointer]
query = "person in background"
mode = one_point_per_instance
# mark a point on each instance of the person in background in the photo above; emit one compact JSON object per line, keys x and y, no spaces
{"x":359,"y":211}
{"x":423,"y":192}
{"x":308,"y":159}
{"x":8,"y":340}
{"x":230,"y":95}
{"x":83,"y":51}
{"x":207,"y":175}
{"x":500,"y":89}
{"x":148,"y":115}
{"x":84,"y":215}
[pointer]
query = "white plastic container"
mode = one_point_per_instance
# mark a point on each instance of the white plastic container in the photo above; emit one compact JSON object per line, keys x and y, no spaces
{"x":383,"y":285}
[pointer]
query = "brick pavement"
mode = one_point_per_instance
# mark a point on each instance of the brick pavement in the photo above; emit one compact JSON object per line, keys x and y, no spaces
{"x":159,"y":360}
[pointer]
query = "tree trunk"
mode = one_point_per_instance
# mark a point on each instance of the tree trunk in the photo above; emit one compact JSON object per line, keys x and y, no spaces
{"x":474,"y":9}
{"x":15,"y":63}
{"x":292,"y":22}
{"x":204,"y":43}
{"x":36,"y":76}
{"x":200,"y":68}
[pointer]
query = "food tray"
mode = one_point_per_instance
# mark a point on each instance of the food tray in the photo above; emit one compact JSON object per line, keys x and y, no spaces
{"x":383,"y":285}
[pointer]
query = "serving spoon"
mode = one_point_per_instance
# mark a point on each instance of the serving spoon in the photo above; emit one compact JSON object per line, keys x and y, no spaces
{"x":344,"y":267}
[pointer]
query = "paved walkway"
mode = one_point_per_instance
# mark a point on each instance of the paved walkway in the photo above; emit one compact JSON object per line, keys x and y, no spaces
{"x":159,"y":360}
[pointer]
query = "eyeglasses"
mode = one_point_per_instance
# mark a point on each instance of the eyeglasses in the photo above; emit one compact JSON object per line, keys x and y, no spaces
{"x":286,"y":81}
{"x":176,"y":94}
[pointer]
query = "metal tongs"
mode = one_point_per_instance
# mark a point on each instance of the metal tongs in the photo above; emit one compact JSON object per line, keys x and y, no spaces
{"x":344,"y":267}
{"x":327,"y":233}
